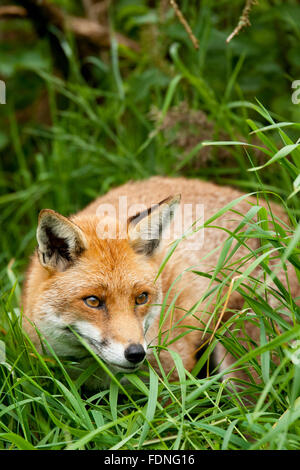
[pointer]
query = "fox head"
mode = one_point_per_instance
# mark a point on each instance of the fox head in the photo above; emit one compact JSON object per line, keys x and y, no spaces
{"x":104,"y":289}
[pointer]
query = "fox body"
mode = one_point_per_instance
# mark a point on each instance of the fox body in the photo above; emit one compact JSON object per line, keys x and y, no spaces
{"x":106,"y":287}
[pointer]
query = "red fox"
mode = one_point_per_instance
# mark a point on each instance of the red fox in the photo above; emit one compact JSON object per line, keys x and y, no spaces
{"x":96,"y":272}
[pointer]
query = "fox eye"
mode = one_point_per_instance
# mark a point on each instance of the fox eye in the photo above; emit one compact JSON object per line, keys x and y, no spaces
{"x":141,"y":299}
{"x":93,"y":302}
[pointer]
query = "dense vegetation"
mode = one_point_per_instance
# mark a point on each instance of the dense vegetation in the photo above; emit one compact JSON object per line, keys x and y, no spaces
{"x":81,"y":119}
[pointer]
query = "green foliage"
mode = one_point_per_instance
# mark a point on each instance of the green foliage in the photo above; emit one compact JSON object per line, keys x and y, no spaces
{"x":64,"y":141}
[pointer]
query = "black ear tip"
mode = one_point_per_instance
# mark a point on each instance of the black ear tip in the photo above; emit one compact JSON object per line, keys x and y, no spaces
{"x":171,"y":200}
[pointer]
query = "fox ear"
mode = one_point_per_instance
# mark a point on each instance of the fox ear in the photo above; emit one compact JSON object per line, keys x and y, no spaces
{"x":145,"y":229}
{"x":60,"y":241}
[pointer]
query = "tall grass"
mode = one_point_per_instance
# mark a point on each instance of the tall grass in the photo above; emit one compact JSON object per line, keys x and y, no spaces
{"x":101,"y":137}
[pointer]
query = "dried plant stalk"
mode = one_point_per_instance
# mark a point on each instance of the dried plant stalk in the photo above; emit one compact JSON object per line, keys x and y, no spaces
{"x":244,"y":19}
{"x":184,"y":23}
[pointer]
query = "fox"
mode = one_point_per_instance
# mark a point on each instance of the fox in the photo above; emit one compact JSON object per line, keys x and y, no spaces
{"x":102,"y":275}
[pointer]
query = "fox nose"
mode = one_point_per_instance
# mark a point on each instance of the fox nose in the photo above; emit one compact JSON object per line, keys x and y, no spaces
{"x":135,"y":353}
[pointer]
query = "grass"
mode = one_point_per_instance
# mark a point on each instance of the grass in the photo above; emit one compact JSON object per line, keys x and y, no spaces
{"x":102,"y":136}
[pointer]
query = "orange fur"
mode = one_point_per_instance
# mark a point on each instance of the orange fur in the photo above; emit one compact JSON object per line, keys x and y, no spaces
{"x":113,"y":270}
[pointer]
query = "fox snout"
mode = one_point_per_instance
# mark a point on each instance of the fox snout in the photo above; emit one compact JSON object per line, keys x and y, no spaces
{"x":124,"y":359}
{"x":135,"y":353}
{"x":118,"y":353}
{"x":120,"y":358}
